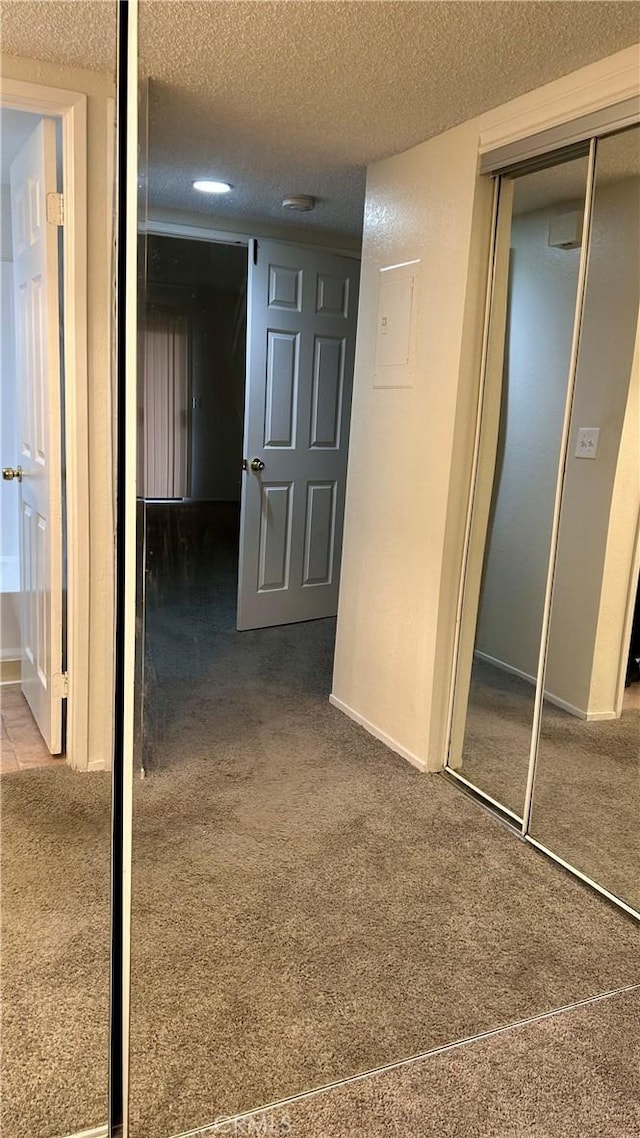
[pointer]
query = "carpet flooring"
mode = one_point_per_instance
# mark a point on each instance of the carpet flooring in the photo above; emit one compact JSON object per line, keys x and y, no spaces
{"x":54,"y":960}
{"x":306,"y":905}
{"x":587,"y":791}
{"x":576,"y":1075}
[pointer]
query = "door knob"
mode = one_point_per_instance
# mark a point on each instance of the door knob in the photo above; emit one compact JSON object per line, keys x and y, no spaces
{"x":256,"y":464}
{"x":9,"y":473}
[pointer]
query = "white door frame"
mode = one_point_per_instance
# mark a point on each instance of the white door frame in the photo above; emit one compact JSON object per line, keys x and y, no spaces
{"x":71,"y":108}
{"x":225,"y":237}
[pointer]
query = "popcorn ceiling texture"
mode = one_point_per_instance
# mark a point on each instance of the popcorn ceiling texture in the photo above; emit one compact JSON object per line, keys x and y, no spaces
{"x":299,"y":97}
{"x":77,"y":33}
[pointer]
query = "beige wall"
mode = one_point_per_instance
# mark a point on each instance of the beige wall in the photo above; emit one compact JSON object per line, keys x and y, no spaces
{"x":99,"y":88}
{"x":543,"y":296}
{"x":425,"y":204}
{"x":410,"y":449}
{"x":596,"y":525}
{"x":622,"y":559}
{"x":543,"y":289}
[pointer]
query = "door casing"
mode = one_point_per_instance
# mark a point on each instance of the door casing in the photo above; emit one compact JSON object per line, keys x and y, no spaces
{"x":70,"y":107}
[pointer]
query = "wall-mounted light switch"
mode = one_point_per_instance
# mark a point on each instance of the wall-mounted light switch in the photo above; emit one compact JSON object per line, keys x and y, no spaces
{"x":587,"y":442}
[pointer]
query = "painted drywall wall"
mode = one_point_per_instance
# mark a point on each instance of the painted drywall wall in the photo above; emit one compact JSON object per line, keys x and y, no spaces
{"x":420,"y":205}
{"x":543,"y":293}
{"x":622,"y":558}
{"x":592,"y":533}
{"x":409,"y":457}
{"x":543,"y":288}
{"x":99,"y":89}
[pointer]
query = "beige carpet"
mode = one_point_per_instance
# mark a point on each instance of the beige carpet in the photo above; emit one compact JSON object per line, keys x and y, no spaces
{"x":298,"y":925}
{"x":306,"y":904}
{"x":587,"y":790}
{"x":576,"y":1075}
{"x":54,"y":959}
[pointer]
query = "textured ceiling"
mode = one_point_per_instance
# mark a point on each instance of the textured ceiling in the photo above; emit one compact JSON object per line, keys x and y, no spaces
{"x":298,"y":97}
{"x":78,"y":33}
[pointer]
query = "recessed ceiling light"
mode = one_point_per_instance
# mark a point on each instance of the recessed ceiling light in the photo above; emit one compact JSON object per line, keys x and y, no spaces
{"x":206,"y":186}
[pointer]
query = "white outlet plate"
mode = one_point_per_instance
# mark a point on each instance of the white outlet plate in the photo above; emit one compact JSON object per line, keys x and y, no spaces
{"x":587,"y":442}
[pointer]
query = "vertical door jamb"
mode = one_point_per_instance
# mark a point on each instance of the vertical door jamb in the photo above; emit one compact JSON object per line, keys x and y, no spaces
{"x":560,"y":482}
{"x":492,"y":347}
{"x":70,"y":107}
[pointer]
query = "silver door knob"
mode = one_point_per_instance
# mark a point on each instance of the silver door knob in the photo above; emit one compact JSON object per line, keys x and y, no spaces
{"x":256,"y":464}
{"x":9,"y":473}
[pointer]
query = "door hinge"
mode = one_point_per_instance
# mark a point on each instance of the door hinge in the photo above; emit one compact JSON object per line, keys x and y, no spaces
{"x":60,"y":685}
{"x":55,"y":209}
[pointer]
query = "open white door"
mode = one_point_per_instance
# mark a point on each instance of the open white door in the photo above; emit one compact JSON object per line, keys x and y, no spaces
{"x":301,"y":328}
{"x":35,"y":271}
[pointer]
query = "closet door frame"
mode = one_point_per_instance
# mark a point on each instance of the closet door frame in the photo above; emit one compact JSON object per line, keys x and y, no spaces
{"x":560,"y":484}
{"x":483,"y":467}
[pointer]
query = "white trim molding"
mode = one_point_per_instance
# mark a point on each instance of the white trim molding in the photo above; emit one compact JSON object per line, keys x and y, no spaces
{"x":572,"y":709}
{"x":188,"y":231}
{"x":602,"y":84}
{"x":192,"y":232}
{"x":71,"y":108}
{"x":378,"y":734}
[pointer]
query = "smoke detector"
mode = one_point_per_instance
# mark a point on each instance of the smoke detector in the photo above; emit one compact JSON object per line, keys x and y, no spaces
{"x":301,"y":203}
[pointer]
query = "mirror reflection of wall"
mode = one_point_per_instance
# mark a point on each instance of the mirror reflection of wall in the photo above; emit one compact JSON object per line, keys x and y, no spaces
{"x":583,"y":804}
{"x":587,"y":788}
{"x":545,"y":242}
{"x":57,"y":137}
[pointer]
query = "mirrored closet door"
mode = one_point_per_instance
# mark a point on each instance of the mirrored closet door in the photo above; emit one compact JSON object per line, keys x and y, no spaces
{"x":57,"y":151}
{"x":546,"y":716}
{"x":586,"y":802}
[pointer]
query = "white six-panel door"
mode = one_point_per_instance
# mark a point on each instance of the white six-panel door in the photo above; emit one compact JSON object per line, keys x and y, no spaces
{"x":35,"y":268}
{"x":301,"y":327}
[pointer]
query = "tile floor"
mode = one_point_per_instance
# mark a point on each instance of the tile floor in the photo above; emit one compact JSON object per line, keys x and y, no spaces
{"x":21,"y":744}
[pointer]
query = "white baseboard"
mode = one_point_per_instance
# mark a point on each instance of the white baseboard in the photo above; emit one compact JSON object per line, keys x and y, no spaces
{"x":598,"y":716}
{"x":378,"y":734}
{"x":579,"y":712}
